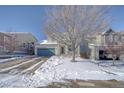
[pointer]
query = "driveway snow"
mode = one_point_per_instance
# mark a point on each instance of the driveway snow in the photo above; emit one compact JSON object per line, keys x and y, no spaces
{"x":8,"y":59}
{"x":57,"y":69}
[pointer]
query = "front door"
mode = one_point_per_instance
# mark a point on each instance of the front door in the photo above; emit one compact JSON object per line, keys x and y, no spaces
{"x":62,"y":50}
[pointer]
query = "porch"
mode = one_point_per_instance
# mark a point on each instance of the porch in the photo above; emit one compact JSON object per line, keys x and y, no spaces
{"x":98,"y":52}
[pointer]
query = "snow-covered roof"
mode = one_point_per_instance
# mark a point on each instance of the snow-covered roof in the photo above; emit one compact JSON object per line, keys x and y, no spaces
{"x":47,"y":42}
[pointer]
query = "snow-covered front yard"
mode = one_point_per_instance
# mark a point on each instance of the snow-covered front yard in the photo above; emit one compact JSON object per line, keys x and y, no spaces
{"x":56,"y":69}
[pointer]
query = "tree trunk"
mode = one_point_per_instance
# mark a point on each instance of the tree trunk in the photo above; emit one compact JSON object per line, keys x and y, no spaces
{"x":113,"y":62}
{"x":114,"y":59}
{"x":73,"y":55}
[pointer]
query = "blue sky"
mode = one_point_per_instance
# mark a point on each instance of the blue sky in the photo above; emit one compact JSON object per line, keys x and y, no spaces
{"x":117,"y":13}
{"x":23,"y":19}
{"x":31,"y":19}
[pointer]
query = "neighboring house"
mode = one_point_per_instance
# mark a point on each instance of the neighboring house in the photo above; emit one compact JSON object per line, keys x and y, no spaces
{"x":6,"y":43}
{"x":24,"y":42}
{"x":17,"y":42}
{"x":102,"y":39}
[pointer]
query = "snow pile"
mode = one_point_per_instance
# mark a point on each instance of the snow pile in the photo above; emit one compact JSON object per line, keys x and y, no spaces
{"x":45,"y":74}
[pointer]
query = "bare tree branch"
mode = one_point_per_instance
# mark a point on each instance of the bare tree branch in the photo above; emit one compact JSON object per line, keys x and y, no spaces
{"x":70,"y":25}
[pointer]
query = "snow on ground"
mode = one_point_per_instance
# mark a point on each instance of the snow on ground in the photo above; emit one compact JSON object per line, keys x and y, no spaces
{"x":59,"y":68}
{"x":118,"y":69}
{"x":8,"y":59}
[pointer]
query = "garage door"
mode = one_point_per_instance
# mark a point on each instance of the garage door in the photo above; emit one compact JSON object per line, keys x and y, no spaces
{"x":46,"y":52}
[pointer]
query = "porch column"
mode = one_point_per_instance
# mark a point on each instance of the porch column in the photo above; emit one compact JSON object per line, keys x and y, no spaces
{"x":96,"y":53}
{"x":58,"y":49}
{"x":92,"y":55}
{"x":78,"y":51}
{"x":66,"y":50}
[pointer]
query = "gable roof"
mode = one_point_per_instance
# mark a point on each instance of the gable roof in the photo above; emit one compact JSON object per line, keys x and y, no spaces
{"x":108,"y":32}
{"x":23,"y":36}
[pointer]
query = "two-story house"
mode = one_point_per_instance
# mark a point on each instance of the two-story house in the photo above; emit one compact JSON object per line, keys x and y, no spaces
{"x":24,"y":42}
{"x":103,"y":39}
{"x":17,"y":42}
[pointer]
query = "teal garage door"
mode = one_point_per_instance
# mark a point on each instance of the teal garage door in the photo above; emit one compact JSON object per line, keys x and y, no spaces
{"x":46,"y":52}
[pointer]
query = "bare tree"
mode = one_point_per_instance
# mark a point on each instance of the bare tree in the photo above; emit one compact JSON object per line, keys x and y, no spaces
{"x":70,"y":25}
